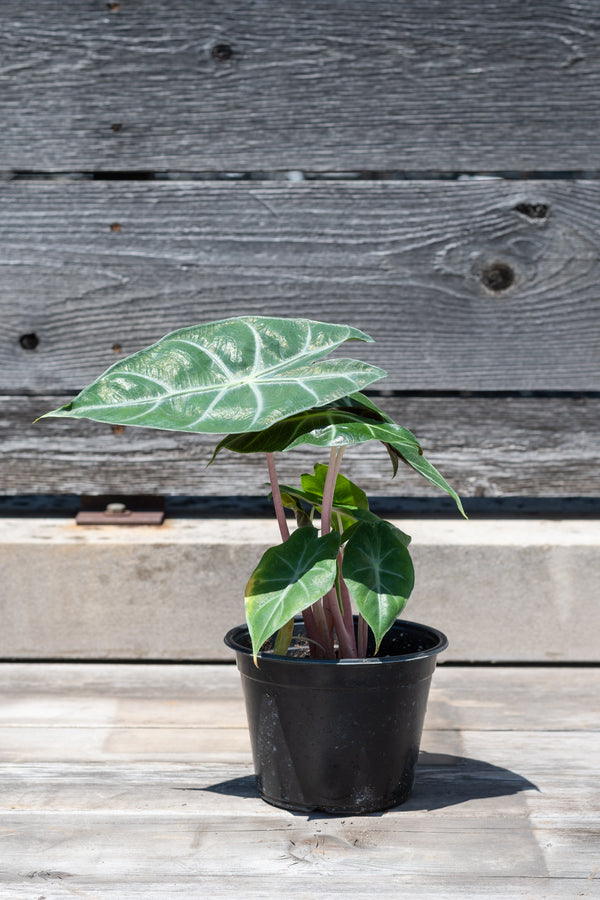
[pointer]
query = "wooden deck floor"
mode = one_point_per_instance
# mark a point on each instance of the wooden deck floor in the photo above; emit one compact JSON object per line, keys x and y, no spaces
{"x":135,"y":781}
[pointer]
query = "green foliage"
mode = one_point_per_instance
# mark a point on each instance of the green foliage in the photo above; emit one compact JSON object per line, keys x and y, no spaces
{"x":265,"y":384}
{"x":235,"y":375}
{"x":379,"y":573}
{"x":289,"y":578}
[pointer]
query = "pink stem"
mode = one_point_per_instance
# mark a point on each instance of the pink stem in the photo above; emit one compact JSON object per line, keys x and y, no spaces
{"x":313,"y":623}
{"x":321,"y":636}
{"x":363,"y":636}
{"x":346,"y":606}
{"x":335,"y":461}
{"x":345,"y":637}
{"x":343,"y":627}
{"x":277,"y":502}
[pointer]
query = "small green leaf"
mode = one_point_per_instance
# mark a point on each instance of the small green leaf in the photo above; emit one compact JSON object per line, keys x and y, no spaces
{"x":289,"y":578}
{"x":284,"y":638}
{"x":348,"y":511}
{"x":379,"y":573}
{"x":234,"y":375}
{"x":346,"y":493}
{"x":302,"y":517}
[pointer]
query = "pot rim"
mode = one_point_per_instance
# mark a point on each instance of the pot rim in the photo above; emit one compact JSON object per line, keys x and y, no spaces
{"x":231,"y":640}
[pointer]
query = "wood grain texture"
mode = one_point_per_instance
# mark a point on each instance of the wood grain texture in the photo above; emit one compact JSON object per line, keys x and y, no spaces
{"x":485,"y":446}
{"x":498,"y":810}
{"x":188,"y":696}
{"x":404,"y":261}
{"x":383,"y":86}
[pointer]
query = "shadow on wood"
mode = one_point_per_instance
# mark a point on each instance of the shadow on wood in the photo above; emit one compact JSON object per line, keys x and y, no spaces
{"x":442,"y":781}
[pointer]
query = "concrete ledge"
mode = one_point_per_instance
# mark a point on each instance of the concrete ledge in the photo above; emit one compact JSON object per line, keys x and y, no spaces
{"x":507,"y":590}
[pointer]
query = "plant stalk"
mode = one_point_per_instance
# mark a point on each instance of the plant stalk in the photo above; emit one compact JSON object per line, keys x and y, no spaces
{"x":277,"y":502}
{"x":343,"y":626}
{"x":335,"y":461}
{"x":315,"y":633}
{"x":363,"y":636}
{"x":346,"y":607}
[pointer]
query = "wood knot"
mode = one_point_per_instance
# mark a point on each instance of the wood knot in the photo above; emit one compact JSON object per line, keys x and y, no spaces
{"x":497,"y":276}
{"x":533,"y":210}
{"x":221,"y":52}
{"x":29,"y":341}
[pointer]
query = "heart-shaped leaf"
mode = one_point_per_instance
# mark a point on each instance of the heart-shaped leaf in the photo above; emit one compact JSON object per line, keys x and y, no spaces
{"x":234,"y":375}
{"x":289,"y":578}
{"x":379,"y":574}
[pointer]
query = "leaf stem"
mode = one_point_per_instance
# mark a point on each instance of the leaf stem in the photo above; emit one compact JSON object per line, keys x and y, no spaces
{"x":335,"y":461}
{"x":346,"y":606}
{"x":313,"y":617}
{"x":343,"y":625}
{"x":345,"y":635}
{"x":277,"y":502}
{"x":363,"y":636}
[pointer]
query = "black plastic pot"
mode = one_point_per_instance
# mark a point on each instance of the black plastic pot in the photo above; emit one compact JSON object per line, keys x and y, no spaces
{"x":341,"y":736}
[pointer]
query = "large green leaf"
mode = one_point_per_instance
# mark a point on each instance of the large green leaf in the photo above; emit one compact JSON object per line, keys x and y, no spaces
{"x":234,"y":375}
{"x":379,"y":574}
{"x":289,"y":578}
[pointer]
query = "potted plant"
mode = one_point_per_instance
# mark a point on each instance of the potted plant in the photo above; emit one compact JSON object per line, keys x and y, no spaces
{"x":335,"y":684}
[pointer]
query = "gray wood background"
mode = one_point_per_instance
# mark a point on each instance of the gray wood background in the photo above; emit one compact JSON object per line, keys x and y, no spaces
{"x":424,"y":171}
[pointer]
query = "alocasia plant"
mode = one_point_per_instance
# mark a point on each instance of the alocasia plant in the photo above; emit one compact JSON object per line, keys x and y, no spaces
{"x":266,"y":384}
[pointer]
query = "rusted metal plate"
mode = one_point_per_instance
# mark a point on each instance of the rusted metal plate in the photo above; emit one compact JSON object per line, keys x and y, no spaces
{"x":110,"y":510}
{"x":128,"y":517}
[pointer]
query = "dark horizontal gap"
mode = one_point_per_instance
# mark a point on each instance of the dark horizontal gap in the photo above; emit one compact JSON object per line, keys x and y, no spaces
{"x":300,"y":175}
{"x":452,"y":664}
{"x":381,"y":395}
{"x":432,"y":393}
{"x":519,"y":664}
{"x":58,"y":660}
{"x":244,"y":507}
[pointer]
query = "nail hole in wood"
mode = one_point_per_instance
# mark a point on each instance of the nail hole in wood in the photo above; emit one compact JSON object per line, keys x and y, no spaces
{"x":115,"y":226}
{"x":221,"y":52}
{"x":118,"y":429}
{"x":497,"y":276}
{"x":532,"y":210}
{"x":29,"y":341}
{"x":113,"y":5}
{"x":117,"y":348}
{"x":116,"y":126}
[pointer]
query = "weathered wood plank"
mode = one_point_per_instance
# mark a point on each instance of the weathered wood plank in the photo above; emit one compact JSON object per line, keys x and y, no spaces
{"x":538,"y":818}
{"x":167,"y":696}
{"x":305,"y":886}
{"x":485,"y":446}
{"x":405,"y":261}
{"x":134,"y":847}
{"x":486,"y":807}
{"x":499,"y":812}
{"x":385,"y":86}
